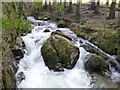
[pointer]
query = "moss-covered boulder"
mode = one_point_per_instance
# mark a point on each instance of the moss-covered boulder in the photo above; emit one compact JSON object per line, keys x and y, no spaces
{"x":59,"y":52}
{"x":96,"y":64}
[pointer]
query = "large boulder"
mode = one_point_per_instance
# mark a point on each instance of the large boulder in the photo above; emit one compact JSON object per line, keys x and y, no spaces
{"x":59,"y":52}
{"x":96,"y":64}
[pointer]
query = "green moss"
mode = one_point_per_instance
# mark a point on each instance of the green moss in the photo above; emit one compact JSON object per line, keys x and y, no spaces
{"x":96,"y":64}
{"x":109,"y":44}
{"x":49,"y":54}
{"x":91,"y":49}
{"x":118,"y":54}
{"x":8,"y":76}
{"x":103,"y":38}
{"x":58,"y":49}
{"x":58,"y":32}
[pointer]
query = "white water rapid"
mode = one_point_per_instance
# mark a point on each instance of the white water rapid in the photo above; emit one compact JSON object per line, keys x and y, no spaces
{"x":34,"y":71}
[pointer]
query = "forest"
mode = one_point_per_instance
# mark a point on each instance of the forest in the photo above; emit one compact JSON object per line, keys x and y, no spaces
{"x":60,"y":44}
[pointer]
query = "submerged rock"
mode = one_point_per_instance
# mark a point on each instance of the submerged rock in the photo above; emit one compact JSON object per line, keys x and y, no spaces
{"x":59,"y":52}
{"x":96,"y":64}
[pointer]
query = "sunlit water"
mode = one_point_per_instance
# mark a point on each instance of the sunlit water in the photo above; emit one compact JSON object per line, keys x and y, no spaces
{"x":37,"y":75}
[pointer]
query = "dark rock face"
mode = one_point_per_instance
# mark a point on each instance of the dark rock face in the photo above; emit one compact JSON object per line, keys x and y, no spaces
{"x":59,"y":52}
{"x":18,"y":54}
{"x":18,"y":51}
{"x":9,"y":70}
{"x":47,"y":30}
{"x":96,"y":64}
{"x":62,"y":23}
{"x":118,"y":55}
{"x":20,"y":76}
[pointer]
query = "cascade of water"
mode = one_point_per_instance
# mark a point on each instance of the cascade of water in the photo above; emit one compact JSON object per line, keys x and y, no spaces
{"x":37,"y":75}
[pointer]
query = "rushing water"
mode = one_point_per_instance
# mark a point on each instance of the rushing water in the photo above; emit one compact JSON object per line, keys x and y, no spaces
{"x":34,"y":71}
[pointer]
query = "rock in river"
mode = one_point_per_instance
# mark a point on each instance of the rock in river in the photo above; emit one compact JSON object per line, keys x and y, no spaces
{"x":59,"y":52}
{"x":96,"y":64}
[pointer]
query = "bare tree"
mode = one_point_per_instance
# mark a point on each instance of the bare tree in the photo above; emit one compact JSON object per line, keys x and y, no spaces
{"x":107,"y":2}
{"x":112,"y":10}
{"x":49,"y":4}
{"x":78,"y":9}
{"x":97,"y":7}
{"x":70,"y":8}
{"x":61,"y":1}
{"x":93,"y":6}
{"x":119,"y":14}
{"x":45,"y":4}
{"x":65,"y":4}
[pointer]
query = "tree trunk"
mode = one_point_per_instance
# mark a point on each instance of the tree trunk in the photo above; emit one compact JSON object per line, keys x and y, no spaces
{"x":60,"y":1}
{"x":65,"y":4}
{"x":112,"y":10}
{"x":78,"y":9}
{"x":97,"y":7}
{"x":119,"y":15}
{"x":118,"y":18}
{"x":70,"y":8}
{"x":49,"y":4}
{"x":107,"y":2}
{"x":45,"y":4}
{"x":93,"y":6}
{"x":20,"y":10}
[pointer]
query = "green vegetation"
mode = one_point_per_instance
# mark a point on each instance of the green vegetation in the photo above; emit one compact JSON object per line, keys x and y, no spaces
{"x":21,"y":26}
{"x":93,"y":26}
{"x":104,"y":38}
{"x":96,"y":64}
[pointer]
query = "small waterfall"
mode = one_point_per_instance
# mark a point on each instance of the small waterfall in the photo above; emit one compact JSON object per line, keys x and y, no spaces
{"x":33,"y":73}
{"x":115,"y":76}
{"x":33,"y":69}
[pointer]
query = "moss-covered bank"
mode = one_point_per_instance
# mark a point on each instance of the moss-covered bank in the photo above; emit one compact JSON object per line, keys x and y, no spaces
{"x":59,"y":52}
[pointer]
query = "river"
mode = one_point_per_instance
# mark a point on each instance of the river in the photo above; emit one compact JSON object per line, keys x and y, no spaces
{"x":34,"y":72}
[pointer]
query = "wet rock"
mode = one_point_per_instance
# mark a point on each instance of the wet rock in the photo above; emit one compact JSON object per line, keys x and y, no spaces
{"x":118,"y":55}
{"x":58,"y":32}
{"x":59,"y":52}
{"x":9,"y":67}
{"x":91,"y":49}
{"x":20,"y":77}
{"x":20,"y":43}
{"x":112,"y":62}
{"x":96,"y":64}
{"x":47,"y":30}
{"x":18,"y":54}
{"x":62,"y":24}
